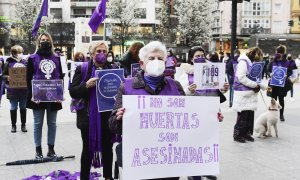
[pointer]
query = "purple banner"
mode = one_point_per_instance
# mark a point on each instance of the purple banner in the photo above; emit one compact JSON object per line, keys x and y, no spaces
{"x":98,"y":16}
{"x":43,"y":12}
{"x":47,"y":90}
{"x":107,"y":88}
{"x":134,"y":69}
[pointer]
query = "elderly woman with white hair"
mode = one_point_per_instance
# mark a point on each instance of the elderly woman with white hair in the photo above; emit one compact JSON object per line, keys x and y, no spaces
{"x":149,"y":81}
{"x":95,"y":133}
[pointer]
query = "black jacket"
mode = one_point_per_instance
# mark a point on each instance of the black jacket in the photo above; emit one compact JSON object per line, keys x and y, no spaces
{"x":54,"y":106}
{"x":78,"y":91}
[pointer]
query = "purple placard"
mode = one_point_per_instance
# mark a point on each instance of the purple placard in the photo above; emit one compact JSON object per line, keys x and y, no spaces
{"x":107,"y":88}
{"x":279,"y":76}
{"x":134,"y":69}
{"x":47,"y":90}
{"x":170,"y":62}
{"x":256,"y":70}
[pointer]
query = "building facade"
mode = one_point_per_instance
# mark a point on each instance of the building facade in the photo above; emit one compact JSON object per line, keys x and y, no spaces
{"x":295,"y":16}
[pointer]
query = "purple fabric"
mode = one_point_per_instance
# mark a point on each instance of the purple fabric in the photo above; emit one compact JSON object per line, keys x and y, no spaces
{"x":43,"y":12}
{"x":169,"y":89}
{"x":95,"y":145}
{"x":100,"y":58}
{"x":63,"y":175}
{"x":237,"y":86}
{"x":98,"y":16}
{"x":152,"y":82}
{"x":38,"y":66}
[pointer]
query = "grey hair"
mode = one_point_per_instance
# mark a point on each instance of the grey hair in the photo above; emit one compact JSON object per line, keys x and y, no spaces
{"x":94,"y":46}
{"x":153,"y":46}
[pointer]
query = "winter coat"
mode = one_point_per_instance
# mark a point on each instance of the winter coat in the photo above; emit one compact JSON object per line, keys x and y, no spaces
{"x":245,"y":100}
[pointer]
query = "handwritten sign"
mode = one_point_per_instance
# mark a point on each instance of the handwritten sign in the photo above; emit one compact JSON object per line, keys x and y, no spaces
{"x":279,"y":76}
{"x":170,"y":136}
{"x":107,"y":88}
{"x":209,"y":75}
{"x":17,"y":77}
{"x":47,"y":90}
{"x":135,"y":67}
{"x":256,"y":70}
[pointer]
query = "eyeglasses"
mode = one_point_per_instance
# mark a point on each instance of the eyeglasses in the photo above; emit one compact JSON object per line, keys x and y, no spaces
{"x":101,"y":51}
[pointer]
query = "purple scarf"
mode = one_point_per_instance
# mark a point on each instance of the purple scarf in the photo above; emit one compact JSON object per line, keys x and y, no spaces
{"x":95,"y":145}
{"x":152,"y":82}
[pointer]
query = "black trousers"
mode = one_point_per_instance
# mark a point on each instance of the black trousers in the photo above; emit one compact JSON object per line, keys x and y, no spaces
{"x":107,"y":154}
{"x":244,"y":124}
{"x":281,"y":102}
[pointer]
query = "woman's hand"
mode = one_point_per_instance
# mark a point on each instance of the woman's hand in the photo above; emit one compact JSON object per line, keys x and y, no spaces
{"x":220,"y":117}
{"x":192,"y":88}
{"x":120,"y":113}
{"x":91,"y":82}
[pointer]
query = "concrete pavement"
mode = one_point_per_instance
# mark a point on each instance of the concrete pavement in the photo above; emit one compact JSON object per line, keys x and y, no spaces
{"x":264,"y":159}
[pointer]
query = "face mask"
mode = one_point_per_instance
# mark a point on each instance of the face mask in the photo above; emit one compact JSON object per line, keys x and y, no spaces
{"x":155,"y":68}
{"x":109,"y":59}
{"x":46,"y":46}
{"x":100,"y":58}
{"x":199,"y":60}
{"x":20,"y":56}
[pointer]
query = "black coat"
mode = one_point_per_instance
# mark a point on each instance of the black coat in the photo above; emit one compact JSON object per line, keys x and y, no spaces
{"x":54,"y":106}
{"x":78,"y":90}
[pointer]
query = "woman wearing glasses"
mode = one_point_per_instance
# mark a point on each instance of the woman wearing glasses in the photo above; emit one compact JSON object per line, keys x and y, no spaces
{"x":96,"y":136}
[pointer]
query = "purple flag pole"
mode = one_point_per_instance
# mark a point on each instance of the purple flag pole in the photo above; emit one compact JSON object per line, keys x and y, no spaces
{"x":43,"y":12}
{"x":98,"y":16}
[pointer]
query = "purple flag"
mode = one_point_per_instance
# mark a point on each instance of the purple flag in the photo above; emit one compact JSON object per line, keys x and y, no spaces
{"x":98,"y":16}
{"x":43,"y":12}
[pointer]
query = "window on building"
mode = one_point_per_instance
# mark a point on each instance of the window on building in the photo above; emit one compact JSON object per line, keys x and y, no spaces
{"x":79,"y":12}
{"x":55,"y":0}
{"x":140,"y":13}
{"x":85,"y":39}
{"x":158,"y":13}
{"x":56,"y":13}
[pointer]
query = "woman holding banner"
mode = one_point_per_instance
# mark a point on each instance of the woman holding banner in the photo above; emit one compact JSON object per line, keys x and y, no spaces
{"x":43,"y":65}
{"x":149,"y":81}
{"x":16,"y":95}
{"x":186,"y":78}
{"x":245,"y":95}
{"x":95,"y":133}
{"x":281,"y":61}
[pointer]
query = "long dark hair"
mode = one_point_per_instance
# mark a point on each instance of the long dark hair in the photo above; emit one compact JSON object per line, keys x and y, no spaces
{"x":192,"y":52}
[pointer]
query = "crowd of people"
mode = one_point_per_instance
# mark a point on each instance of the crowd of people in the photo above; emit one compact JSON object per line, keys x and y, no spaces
{"x":157,"y":76}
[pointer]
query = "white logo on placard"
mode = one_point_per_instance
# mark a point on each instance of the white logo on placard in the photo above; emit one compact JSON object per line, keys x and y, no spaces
{"x":47,"y":66}
{"x":18,"y":65}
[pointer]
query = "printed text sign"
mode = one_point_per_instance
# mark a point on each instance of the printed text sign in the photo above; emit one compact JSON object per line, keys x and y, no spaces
{"x":47,"y":90}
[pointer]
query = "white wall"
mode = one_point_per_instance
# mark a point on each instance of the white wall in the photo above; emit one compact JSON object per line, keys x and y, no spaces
{"x":281,"y":10}
{"x":65,"y":5}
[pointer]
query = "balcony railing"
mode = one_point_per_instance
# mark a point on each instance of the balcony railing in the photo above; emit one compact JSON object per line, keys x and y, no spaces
{"x":249,"y":31}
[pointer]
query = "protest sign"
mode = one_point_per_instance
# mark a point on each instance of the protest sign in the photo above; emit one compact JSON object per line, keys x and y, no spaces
{"x":47,"y":90}
{"x":74,"y":65}
{"x":135,"y":67}
{"x":17,"y":77}
{"x":63,"y":63}
{"x":209,"y":75}
{"x":170,"y":136}
{"x":107,"y":88}
{"x":279,"y":76}
{"x":256,"y":70}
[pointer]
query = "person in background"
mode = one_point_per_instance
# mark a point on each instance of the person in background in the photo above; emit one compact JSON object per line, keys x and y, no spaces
{"x":226,"y":58}
{"x":214,"y":57}
{"x":2,"y":89}
{"x":16,"y":96}
{"x":171,"y":63}
{"x":58,"y":52}
{"x":281,"y":61}
{"x":79,"y":57}
{"x":131,"y":57}
{"x":293,"y":77}
{"x":111,"y":60}
{"x":44,"y":57}
{"x":88,"y":57}
{"x":230,"y":71}
{"x":221,"y":56}
{"x":95,"y":133}
{"x":265,"y":71}
{"x":245,"y":96}
{"x":149,"y":81}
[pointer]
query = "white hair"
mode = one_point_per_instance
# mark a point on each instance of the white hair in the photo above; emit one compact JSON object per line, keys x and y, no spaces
{"x":153,"y":46}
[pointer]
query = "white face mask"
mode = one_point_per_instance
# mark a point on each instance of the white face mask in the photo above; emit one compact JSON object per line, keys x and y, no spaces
{"x":155,"y":68}
{"x":109,"y":59}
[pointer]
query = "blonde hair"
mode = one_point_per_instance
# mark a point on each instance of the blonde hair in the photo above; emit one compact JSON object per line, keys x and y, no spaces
{"x":254,"y":53}
{"x":38,"y":41}
{"x":97,"y":44}
{"x":16,"y":49}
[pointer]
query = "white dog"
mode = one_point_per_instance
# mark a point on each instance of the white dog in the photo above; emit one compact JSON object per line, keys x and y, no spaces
{"x":266,"y":120}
